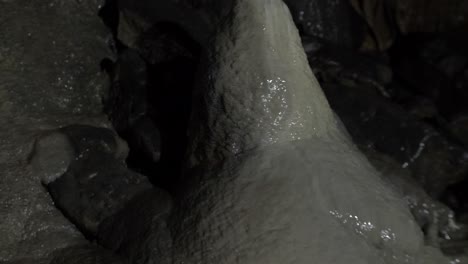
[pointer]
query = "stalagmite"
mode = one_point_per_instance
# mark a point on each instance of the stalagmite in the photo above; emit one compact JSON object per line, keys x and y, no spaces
{"x":272,"y":178}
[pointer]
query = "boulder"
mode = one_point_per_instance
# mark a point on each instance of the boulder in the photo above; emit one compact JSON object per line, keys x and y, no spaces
{"x":96,"y":183}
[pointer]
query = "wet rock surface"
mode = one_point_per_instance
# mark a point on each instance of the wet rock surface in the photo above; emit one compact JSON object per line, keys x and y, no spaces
{"x":49,"y":78}
{"x":404,"y":106}
{"x":436,"y":219}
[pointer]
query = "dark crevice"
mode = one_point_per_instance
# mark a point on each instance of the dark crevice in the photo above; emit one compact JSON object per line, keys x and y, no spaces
{"x":149,"y":102}
{"x":109,"y":14}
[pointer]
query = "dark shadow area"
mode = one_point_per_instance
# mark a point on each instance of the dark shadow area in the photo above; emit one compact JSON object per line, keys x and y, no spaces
{"x":171,"y":82}
{"x":432,"y":66}
{"x":149,"y":102}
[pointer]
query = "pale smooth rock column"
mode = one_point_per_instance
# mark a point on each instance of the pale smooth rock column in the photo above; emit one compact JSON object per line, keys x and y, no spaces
{"x":273,"y":179}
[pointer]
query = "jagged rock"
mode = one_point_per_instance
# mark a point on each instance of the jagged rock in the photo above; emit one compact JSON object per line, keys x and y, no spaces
{"x":49,"y":77}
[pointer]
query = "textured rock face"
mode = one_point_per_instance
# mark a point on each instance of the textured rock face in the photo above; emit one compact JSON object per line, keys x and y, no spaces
{"x":256,"y":92}
{"x":288,"y":203}
{"x":49,"y":77}
{"x":275,"y":179}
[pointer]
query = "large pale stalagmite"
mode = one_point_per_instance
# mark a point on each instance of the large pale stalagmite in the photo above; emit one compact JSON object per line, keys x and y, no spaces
{"x":274,"y":180}
{"x":258,"y":89}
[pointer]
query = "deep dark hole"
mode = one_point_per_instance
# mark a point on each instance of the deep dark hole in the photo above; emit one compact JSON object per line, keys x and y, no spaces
{"x":150,"y":99}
